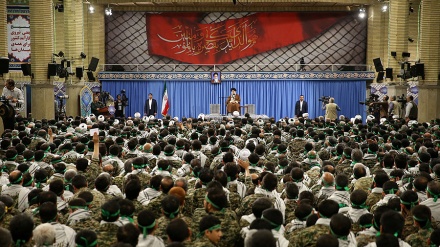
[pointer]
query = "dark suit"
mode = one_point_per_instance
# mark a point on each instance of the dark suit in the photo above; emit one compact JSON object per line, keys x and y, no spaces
{"x":299,"y":112}
{"x":150,"y":111}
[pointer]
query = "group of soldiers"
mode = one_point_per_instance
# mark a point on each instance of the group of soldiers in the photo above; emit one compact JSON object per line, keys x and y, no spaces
{"x":233,"y":182}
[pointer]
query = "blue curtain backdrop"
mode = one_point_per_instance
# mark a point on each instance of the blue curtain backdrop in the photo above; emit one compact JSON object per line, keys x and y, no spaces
{"x":272,"y":98}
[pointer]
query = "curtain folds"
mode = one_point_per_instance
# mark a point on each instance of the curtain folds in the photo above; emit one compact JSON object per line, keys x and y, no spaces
{"x":272,"y":98}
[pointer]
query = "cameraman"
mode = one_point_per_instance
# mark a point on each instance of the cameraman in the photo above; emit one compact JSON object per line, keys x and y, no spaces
{"x":394,"y":108}
{"x":411,"y":110}
{"x":383,"y":107}
{"x":12,"y":94}
{"x":331,"y":109}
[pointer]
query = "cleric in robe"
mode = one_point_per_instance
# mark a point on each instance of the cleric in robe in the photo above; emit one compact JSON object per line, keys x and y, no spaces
{"x":233,"y":102}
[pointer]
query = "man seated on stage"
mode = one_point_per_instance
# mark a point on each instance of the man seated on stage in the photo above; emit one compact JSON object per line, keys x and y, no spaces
{"x":233,"y":102}
{"x":97,"y":105}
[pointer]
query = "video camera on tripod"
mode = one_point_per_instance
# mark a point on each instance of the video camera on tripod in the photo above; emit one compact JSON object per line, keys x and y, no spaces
{"x":372,"y":99}
{"x":324,"y":99}
{"x":124,"y":98}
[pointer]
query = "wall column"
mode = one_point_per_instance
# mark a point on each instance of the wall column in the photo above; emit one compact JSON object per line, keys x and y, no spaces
{"x":42,"y":49}
{"x":398,"y":33}
{"x":73,"y":46}
{"x":429,"y":89}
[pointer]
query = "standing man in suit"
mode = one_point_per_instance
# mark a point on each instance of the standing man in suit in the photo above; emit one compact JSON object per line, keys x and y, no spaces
{"x":301,"y":107}
{"x":150,"y":108}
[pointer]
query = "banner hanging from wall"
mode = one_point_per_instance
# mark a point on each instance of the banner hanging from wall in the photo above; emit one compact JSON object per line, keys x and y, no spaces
{"x":19,"y":36}
{"x":182,"y":37}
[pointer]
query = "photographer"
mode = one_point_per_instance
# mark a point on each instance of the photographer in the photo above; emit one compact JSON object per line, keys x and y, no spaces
{"x":394,"y":108}
{"x":331,"y":109}
{"x":411,"y":110}
{"x":383,"y":107}
{"x":12,"y":94}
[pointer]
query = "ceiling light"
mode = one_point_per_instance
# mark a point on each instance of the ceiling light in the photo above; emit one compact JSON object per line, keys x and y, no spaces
{"x":362,"y":12}
{"x":91,"y":9}
{"x":108,"y":11}
{"x":385,"y":8}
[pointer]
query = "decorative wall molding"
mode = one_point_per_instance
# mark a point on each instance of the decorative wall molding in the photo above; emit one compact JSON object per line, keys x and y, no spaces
{"x":243,"y":76}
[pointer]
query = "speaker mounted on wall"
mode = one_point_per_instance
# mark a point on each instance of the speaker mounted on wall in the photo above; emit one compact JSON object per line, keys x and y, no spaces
{"x":378,"y":64}
{"x":4,"y":65}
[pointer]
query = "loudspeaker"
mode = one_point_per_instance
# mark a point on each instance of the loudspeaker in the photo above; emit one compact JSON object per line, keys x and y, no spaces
{"x":389,"y":73}
{"x":214,"y":109}
{"x":420,"y":70}
{"x":4,"y":65}
{"x":90,"y":76}
{"x":393,"y":54}
{"x":26,"y":68}
{"x":378,"y":64}
{"x":93,"y":64}
{"x":380,"y":76}
{"x":51,"y":70}
{"x":79,"y":72}
{"x":413,"y":71}
{"x":406,"y":54}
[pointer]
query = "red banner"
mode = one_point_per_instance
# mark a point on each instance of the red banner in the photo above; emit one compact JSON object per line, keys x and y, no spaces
{"x":182,"y":37}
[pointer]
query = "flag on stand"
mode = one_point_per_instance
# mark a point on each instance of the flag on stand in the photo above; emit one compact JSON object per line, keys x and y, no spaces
{"x":165,"y":103}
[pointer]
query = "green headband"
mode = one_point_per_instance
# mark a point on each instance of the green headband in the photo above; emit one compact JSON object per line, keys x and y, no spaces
{"x":30,"y":158}
{"x":79,"y":207}
{"x":13,"y":158}
{"x":305,"y":218}
{"x":173,"y":214}
{"x":435,"y":196}
{"x":29,"y":182}
{"x":366,"y":225}
{"x":145,"y":228}
{"x":213,"y":204}
{"x":342,"y":188}
{"x":412,"y":204}
{"x":107,"y":214}
{"x":161,"y":169}
{"x":363,"y":205}
{"x":94,"y":243}
{"x":277,"y":227}
{"x":427,"y":224}
{"x":391,"y":191}
{"x":18,"y":180}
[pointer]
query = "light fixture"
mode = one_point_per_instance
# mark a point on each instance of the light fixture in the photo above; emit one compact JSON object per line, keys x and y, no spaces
{"x":83,"y":55}
{"x":410,"y":39}
{"x":362,"y":12}
{"x":91,"y":9}
{"x":385,"y":8}
{"x":108,"y":10}
{"x":411,"y":9}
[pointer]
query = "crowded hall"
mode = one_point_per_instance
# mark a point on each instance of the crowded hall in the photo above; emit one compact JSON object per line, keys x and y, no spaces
{"x":220,"y":123}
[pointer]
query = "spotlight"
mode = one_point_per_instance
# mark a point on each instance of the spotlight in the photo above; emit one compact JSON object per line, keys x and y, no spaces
{"x":108,"y":11}
{"x":91,"y":9}
{"x":411,"y":9}
{"x":384,"y":8}
{"x":83,"y":55}
{"x":410,"y":39}
{"x":362,"y":12}
{"x":59,"y":7}
{"x":61,"y":54}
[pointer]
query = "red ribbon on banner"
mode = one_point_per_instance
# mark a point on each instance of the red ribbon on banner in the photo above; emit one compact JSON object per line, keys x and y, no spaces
{"x":182,"y":37}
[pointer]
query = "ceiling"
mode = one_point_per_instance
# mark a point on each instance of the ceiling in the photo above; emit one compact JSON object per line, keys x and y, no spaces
{"x":241,"y":5}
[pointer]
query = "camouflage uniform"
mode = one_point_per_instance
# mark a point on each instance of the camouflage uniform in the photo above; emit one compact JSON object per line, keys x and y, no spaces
{"x":248,"y":201}
{"x":95,"y":206}
{"x":308,"y":236}
{"x":197,"y":198}
{"x":291,"y":205}
{"x":107,"y":234}
{"x":344,"y":168}
{"x":363,"y":183}
{"x":366,"y":237}
{"x":374,"y":197}
{"x":155,"y":205}
{"x":408,"y":227}
{"x":419,"y":238}
{"x":229,"y":225}
{"x":81,"y":219}
{"x":162,"y":223}
{"x":202,"y":242}
{"x":296,"y":147}
{"x":92,"y":172}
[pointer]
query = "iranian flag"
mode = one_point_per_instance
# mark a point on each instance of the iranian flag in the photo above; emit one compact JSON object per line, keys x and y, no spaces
{"x":165,"y":103}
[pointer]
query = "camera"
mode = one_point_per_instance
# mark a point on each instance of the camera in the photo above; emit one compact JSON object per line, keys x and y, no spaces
{"x":401,"y":99}
{"x":371,"y":99}
{"x":324,"y":99}
{"x":63,"y":96}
